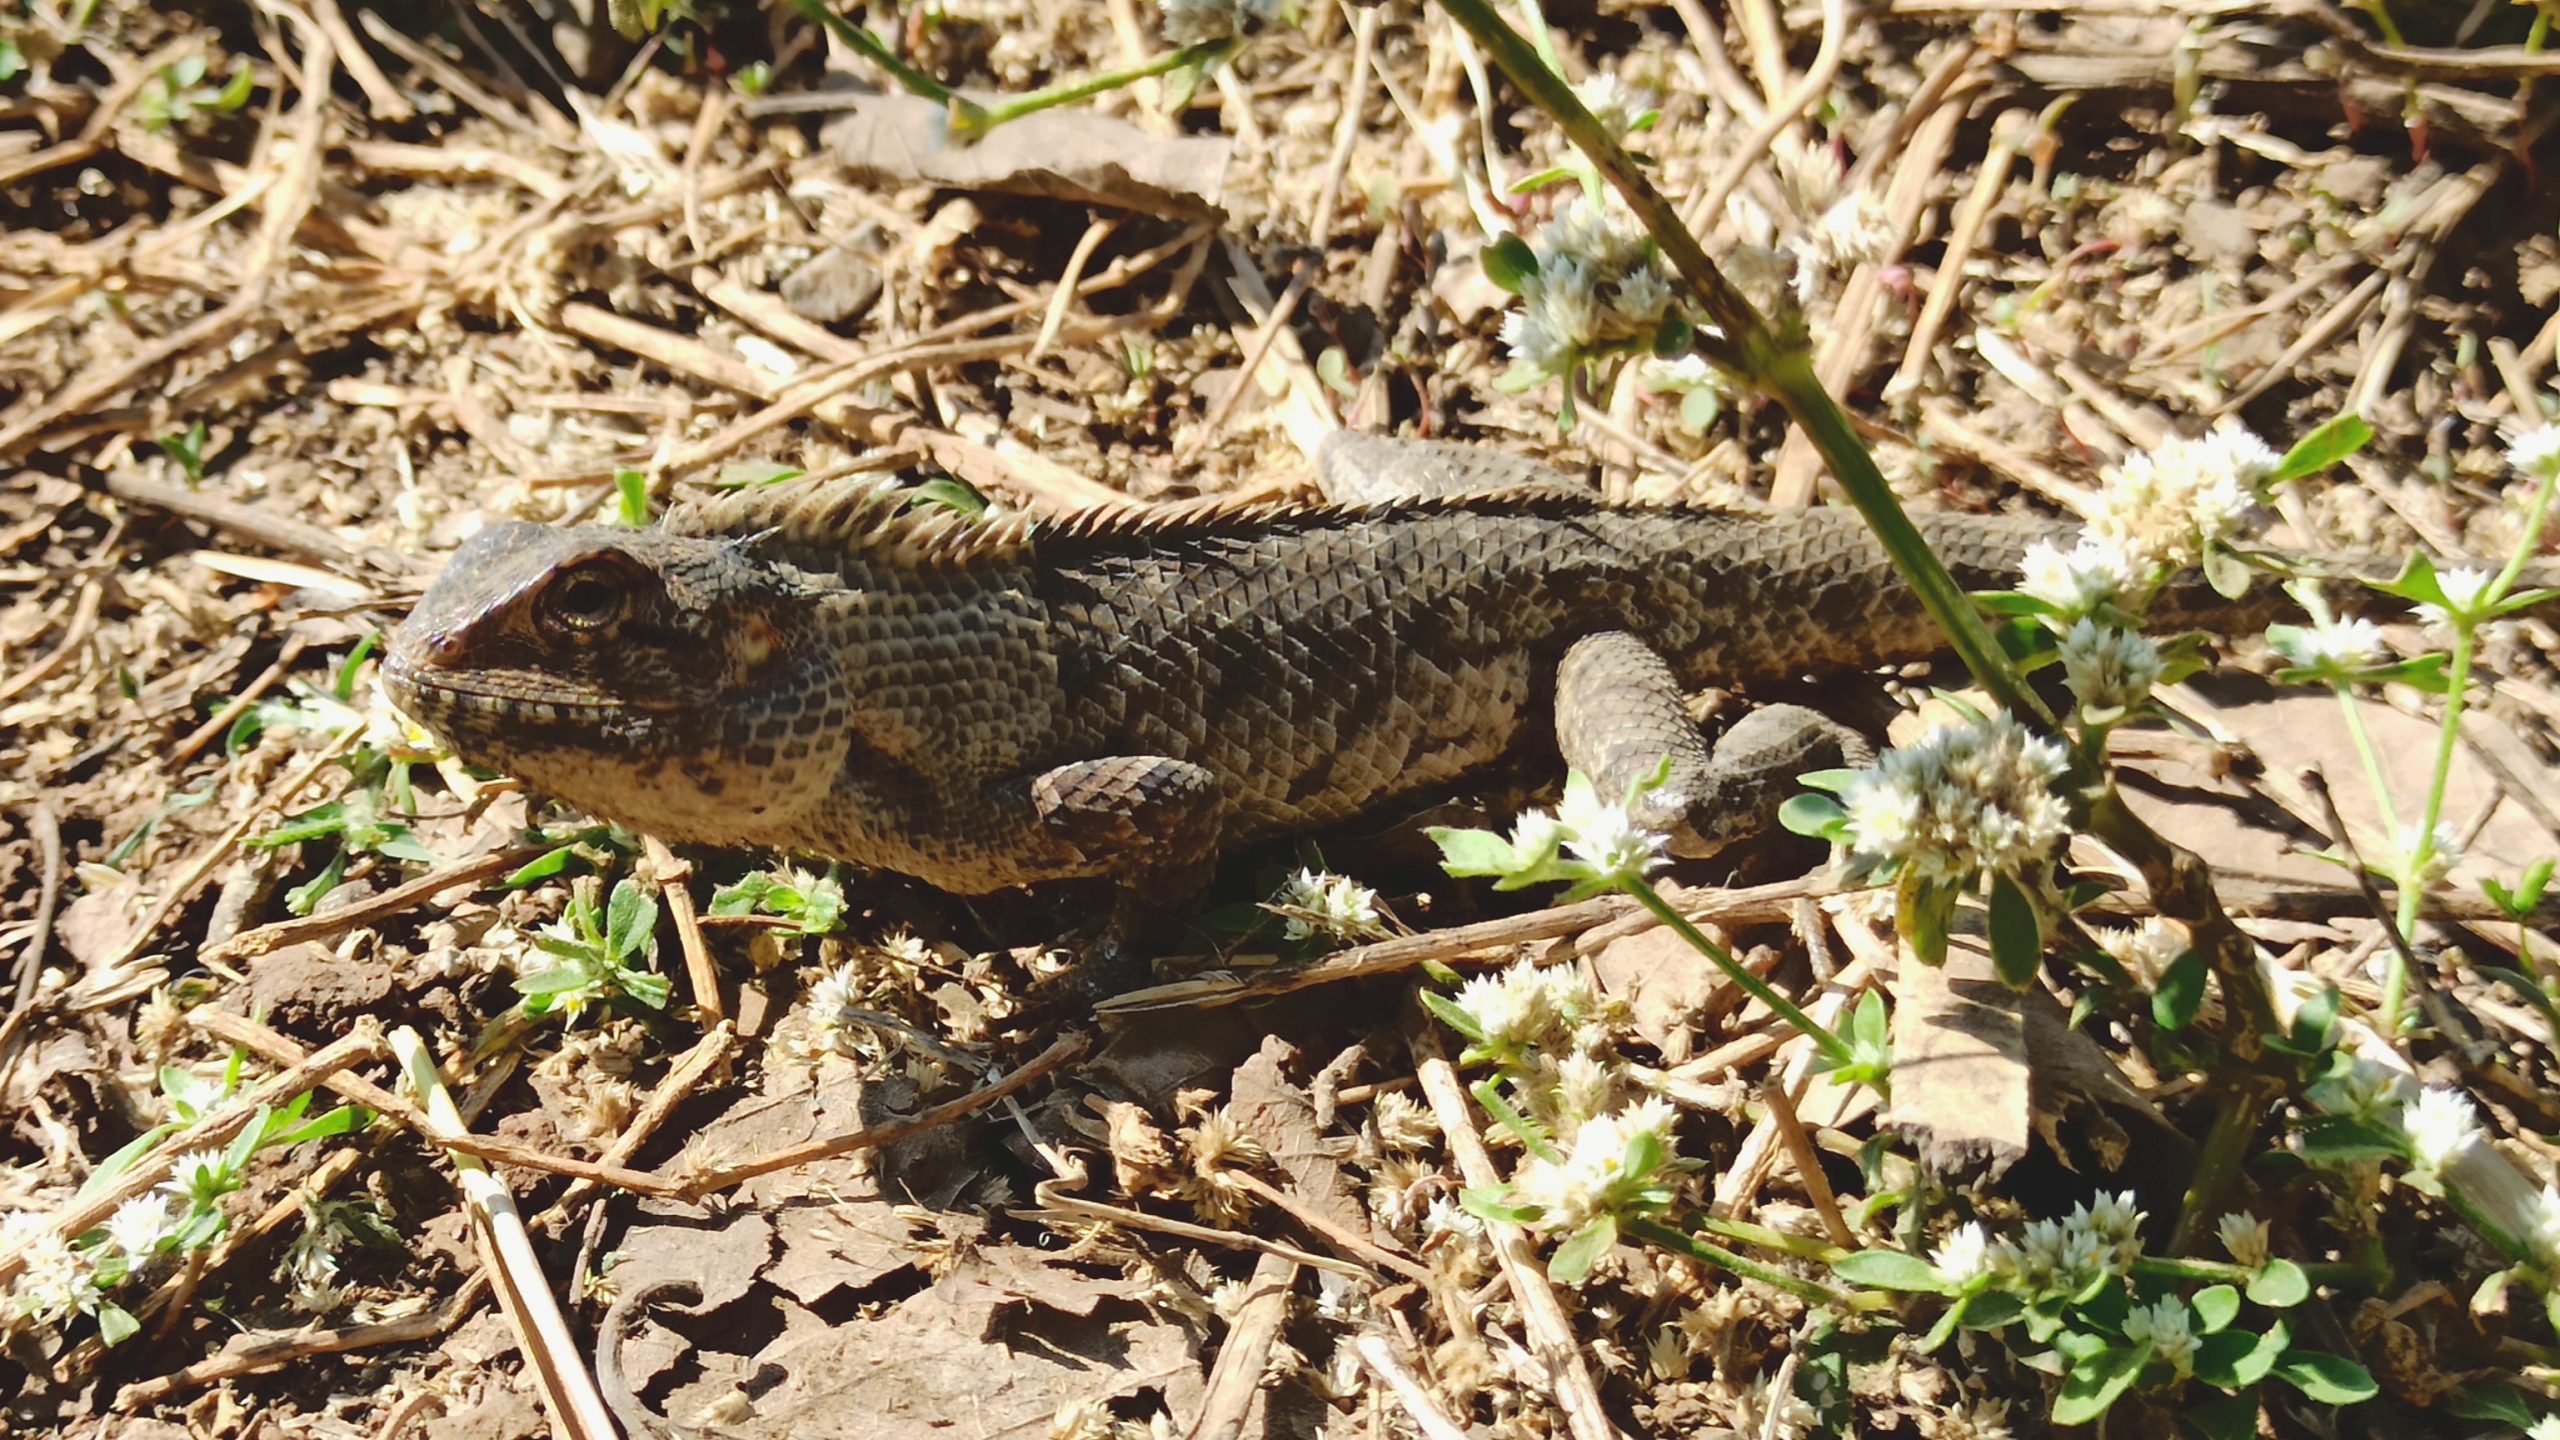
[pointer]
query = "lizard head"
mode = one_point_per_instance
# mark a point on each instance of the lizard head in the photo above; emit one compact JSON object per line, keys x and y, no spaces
{"x":669,"y":682}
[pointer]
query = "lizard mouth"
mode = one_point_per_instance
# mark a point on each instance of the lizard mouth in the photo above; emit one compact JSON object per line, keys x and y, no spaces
{"x":497,"y":696}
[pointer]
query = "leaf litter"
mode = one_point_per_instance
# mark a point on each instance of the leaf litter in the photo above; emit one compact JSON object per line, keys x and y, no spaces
{"x":298,"y":295}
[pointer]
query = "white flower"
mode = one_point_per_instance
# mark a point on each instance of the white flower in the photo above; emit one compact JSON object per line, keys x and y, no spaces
{"x":1592,"y":1178}
{"x":2108,"y":667}
{"x":1601,"y":834}
{"x":2245,"y":1236}
{"x":2365,"y":1091}
{"x":2332,"y":645}
{"x":2163,"y":1326}
{"x":2441,"y":1124}
{"x":1445,"y":1216}
{"x":2116,"y":1223}
{"x":1585,"y":1085}
{"x":1616,"y":104}
{"x":1965,"y":800}
{"x":2443,"y":852}
{"x":1333,"y":906}
{"x":1526,"y":1005}
{"x":1687,"y":372}
{"x":1535,"y":835}
{"x":1856,"y":230}
{"x":2146,"y":950}
{"x":2545,"y":1238}
{"x":201,"y":1177}
{"x":2536,"y":452}
{"x":2546,"y":1428}
{"x":2463,"y":591}
{"x":1338,"y":1297}
{"x":1966,"y":1255}
{"x":831,"y":1005}
{"x":1597,"y":285}
{"x":2166,"y":506}
{"x":55,"y":1281}
{"x":2092,"y":573}
{"x":138,"y":1227}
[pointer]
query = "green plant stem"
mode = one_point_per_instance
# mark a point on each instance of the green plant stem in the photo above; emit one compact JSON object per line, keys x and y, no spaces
{"x":910,"y":79}
{"x":2365,"y":752}
{"x":1802,"y":1247}
{"x":2420,"y":852}
{"x":1654,"y":1232}
{"x":1752,"y":985}
{"x":2222,"y":1272}
{"x":979,"y":120}
{"x":2422,"y":847}
{"x":2226,"y":1147}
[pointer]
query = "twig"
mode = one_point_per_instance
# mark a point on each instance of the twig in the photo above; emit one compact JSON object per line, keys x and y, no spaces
{"x":507,"y":1257}
{"x":329,"y":924}
{"x":252,"y":1354}
{"x":22,"y":991}
{"x":1542,"y":1318}
{"x":673,"y":876}
{"x":2008,"y":134}
{"x":276,"y":1049}
{"x":1799,"y":1147}
{"x":871,"y":1137}
{"x":1235,"y":1378}
{"x":1418,"y":1405}
{"x":1709,"y":210}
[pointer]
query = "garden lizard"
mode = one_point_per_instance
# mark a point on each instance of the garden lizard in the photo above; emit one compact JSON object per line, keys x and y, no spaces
{"x":1127,"y":693}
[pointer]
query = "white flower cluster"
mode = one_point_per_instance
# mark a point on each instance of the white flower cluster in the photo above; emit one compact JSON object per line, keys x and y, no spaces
{"x":2146,"y":950}
{"x":1592,"y":1178}
{"x":2331,"y":646}
{"x":2097,"y":1239}
{"x":2247,"y":1239}
{"x":55,"y":1281}
{"x":2546,"y":1428}
{"x":1620,"y":108}
{"x":1198,"y":22}
{"x":2464,"y":591}
{"x":2079,"y":580}
{"x":1966,"y":800}
{"x":2441,"y":1125}
{"x":1336,"y":907}
{"x":1598,"y":285}
{"x":2107,"y":666}
{"x":1527,"y":1005}
{"x":2165,"y":507}
{"x":2536,"y":452}
{"x":2545,"y":1236}
{"x":2163,"y":1326}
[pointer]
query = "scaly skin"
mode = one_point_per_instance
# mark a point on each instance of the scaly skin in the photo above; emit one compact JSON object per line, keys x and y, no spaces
{"x":989,"y":705}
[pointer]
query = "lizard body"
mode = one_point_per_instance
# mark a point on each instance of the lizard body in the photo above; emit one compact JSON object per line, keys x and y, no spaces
{"x":983,"y":705}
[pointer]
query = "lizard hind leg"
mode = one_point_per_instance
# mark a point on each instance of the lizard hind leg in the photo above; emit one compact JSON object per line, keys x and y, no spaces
{"x":1620,"y":711}
{"x":1151,"y":823}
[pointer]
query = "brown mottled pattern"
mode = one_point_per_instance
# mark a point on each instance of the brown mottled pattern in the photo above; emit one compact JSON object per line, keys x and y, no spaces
{"x":982,"y":706}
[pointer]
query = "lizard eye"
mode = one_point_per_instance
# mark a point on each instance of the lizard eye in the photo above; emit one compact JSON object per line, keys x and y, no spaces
{"x":585,"y":600}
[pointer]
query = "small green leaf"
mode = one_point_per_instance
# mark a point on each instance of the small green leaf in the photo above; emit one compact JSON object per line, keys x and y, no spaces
{"x":2325,"y":446}
{"x":2279,"y":1285}
{"x":1452,"y":1016}
{"x":2416,"y":582}
{"x":1673,"y":338}
{"x":2094,"y":1384}
{"x":2017,"y":936}
{"x":1575,"y":1257}
{"x":1922,"y":908}
{"x":2216,"y":1306}
{"x":1473,"y":852}
{"x":2327,"y":1379}
{"x":2492,"y":1400}
{"x":1884,"y":1269}
{"x":541,"y":867}
{"x":1510,"y":264}
{"x":2181,"y":990}
{"x":1818,"y":816}
{"x":1498,"y":1206}
{"x":631,"y":920}
{"x":631,"y":498}
{"x":116,"y":1325}
{"x":2344,"y":1140}
{"x":2228,"y":574}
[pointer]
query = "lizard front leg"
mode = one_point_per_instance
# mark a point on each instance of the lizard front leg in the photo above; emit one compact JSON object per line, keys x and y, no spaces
{"x":1620,"y":711}
{"x":1148,"y":821}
